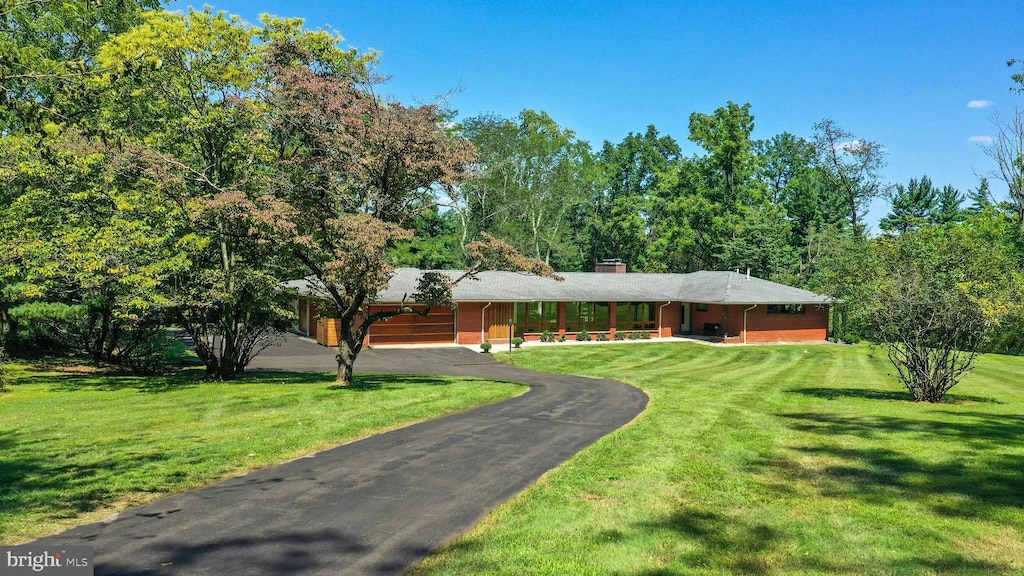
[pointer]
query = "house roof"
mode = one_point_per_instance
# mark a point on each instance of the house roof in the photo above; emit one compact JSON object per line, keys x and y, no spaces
{"x":499,"y":286}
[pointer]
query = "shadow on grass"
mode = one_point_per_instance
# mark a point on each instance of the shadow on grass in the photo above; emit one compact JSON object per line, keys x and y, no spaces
{"x":54,"y":487}
{"x":979,"y":430}
{"x":361,"y":382}
{"x":728,"y":544}
{"x":110,"y":383}
{"x":868,"y":394}
{"x":191,"y":378}
{"x":721,"y":542}
{"x":986,"y":482}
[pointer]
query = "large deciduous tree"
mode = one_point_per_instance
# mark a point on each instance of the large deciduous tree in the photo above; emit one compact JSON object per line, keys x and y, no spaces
{"x":530,"y":178}
{"x":725,"y":134}
{"x":184,"y":90}
{"x":353,"y":171}
{"x":79,"y":250}
{"x":628,"y":217}
{"x":850,"y":167}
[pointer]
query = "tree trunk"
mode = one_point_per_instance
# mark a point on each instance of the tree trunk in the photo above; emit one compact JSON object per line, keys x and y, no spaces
{"x":346,"y":361}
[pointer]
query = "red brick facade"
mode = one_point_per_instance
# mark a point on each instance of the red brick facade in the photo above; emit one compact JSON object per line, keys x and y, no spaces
{"x":469,"y":324}
{"x":810,"y":326}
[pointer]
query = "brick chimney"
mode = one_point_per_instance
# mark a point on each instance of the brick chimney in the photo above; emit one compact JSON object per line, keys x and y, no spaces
{"x":611,"y":266}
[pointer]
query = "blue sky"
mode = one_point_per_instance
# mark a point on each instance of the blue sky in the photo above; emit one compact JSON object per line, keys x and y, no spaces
{"x":898,"y":73}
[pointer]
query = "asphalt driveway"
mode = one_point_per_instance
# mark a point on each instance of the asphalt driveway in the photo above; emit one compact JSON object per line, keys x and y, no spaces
{"x":375,"y":506}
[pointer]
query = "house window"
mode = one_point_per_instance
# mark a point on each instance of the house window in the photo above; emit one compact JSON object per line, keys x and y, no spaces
{"x":702,"y":307}
{"x":635,"y":316}
{"x":588,"y":316}
{"x":536,"y":317}
{"x":785,"y":308}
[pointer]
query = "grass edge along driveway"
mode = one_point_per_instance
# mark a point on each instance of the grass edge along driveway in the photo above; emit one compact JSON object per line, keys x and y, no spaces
{"x":771,"y":460}
{"x":78,"y":447}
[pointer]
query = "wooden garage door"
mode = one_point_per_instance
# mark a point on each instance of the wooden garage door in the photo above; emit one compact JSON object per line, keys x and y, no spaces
{"x":413,"y":328}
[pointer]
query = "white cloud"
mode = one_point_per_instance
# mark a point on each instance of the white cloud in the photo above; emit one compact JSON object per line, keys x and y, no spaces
{"x":851,"y":146}
{"x":980,"y":103}
{"x":981,"y":139}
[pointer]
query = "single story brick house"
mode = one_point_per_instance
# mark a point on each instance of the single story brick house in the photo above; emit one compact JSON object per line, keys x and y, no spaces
{"x":725,"y":306}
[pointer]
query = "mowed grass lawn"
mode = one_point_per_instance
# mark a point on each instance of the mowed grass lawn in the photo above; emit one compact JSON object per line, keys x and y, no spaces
{"x":78,"y":447}
{"x":771,"y":460}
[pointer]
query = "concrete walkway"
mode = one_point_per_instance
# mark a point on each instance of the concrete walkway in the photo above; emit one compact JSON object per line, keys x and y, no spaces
{"x":375,"y":506}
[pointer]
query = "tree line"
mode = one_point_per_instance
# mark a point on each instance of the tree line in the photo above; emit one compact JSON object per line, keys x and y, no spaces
{"x":164,"y":169}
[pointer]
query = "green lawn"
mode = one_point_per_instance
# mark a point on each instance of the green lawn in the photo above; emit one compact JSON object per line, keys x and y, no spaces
{"x":78,"y":447}
{"x":771,"y":460}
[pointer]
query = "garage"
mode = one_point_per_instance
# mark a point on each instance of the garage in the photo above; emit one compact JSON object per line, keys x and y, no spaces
{"x":438,"y":327}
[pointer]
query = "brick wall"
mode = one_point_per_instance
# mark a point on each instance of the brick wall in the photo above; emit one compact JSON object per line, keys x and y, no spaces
{"x":671,"y":318}
{"x":810,"y":326}
{"x":715,"y":314}
{"x":469,"y":323}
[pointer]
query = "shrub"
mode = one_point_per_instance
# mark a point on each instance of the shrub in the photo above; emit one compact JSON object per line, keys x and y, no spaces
{"x":562,"y":338}
{"x":620,"y":336}
{"x":547,"y":336}
{"x":486,"y":347}
{"x":583,"y":336}
{"x":517,"y":341}
{"x":602,"y":337}
{"x":645,"y":335}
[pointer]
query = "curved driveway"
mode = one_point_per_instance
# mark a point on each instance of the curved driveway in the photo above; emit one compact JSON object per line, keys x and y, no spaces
{"x":375,"y":506}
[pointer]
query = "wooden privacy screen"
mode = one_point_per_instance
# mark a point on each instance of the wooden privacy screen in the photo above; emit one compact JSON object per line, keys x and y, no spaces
{"x":496,"y":319}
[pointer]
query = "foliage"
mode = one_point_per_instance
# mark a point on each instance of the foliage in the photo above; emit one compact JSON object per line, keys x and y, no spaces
{"x":850,"y":167}
{"x":933,"y":294}
{"x":725,"y":134}
{"x":486,"y":347}
{"x":529,"y":178}
{"x":628,"y":212}
{"x":517,"y":342}
{"x":47,"y":51}
{"x":921,"y":203}
{"x":547,"y":336}
{"x":435,"y":244}
{"x":912,"y":205}
{"x":355,"y":173}
{"x":784,"y":160}
{"x":1007,"y":151}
